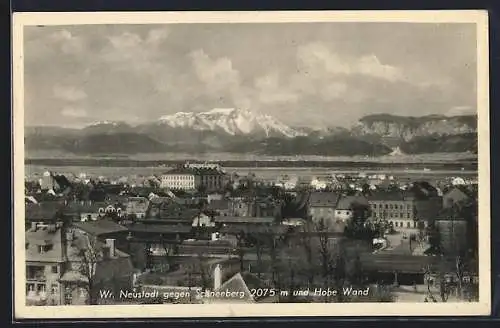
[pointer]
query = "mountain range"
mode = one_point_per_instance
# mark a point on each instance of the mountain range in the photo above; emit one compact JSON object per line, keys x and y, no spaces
{"x":242,"y":131}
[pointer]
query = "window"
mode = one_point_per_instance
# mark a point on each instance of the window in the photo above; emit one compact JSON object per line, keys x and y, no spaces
{"x":408,"y":215}
{"x":30,"y":288}
{"x":391,"y":207}
{"x":55,"y":269}
{"x":40,"y":288}
{"x":414,"y":224}
{"x":54,"y":288}
{"x":41,"y":249}
{"x":386,"y":206}
{"x":401,"y":215}
{"x":408,"y":224}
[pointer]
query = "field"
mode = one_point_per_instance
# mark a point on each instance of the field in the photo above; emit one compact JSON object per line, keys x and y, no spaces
{"x":421,"y":158}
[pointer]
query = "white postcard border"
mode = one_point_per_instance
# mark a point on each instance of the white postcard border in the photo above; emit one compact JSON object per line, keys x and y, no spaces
{"x":483,"y":307}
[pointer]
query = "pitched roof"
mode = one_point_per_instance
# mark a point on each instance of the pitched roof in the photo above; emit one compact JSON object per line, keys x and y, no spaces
{"x":159,"y":228}
{"x":43,"y":211}
{"x":160,"y":200}
{"x":386,"y":196}
{"x":323,"y":199}
{"x":236,"y":284}
{"x":43,"y":237}
{"x":244,"y":219}
{"x":238,"y":228}
{"x":77,"y":207}
{"x":100,"y":227}
{"x":218,"y":204}
{"x":347,"y":202}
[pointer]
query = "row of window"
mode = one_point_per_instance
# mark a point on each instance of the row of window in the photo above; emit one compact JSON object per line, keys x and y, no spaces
{"x":393,"y":215}
{"x":392,"y":206}
{"x":399,"y":224}
{"x":41,"y":288}
{"x":178,"y":177}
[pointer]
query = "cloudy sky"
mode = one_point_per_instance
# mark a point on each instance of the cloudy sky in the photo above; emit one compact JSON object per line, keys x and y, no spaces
{"x":306,"y":74}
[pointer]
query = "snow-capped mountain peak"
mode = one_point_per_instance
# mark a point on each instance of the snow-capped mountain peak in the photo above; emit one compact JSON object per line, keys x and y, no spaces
{"x":112,"y":123}
{"x":230,"y":120}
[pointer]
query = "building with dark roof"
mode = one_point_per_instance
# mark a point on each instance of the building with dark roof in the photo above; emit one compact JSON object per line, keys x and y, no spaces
{"x":53,"y":259}
{"x":321,"y":205}
{"x":404,"y":209}
{"x":193,"y":178}
{"x":457,"y":194}
{"x":453,"y":232}
{"x":50,"y":211}
{"x":347,"y":204}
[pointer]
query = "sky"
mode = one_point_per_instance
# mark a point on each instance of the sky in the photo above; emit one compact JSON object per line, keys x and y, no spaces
{"x":303,"y":74}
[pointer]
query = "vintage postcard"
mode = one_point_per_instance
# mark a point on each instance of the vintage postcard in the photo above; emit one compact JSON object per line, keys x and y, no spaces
{"x":242,"y":164}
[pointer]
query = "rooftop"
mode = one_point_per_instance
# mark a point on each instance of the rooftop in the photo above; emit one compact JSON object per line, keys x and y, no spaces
{"x":100,"y":227}
{"x":159,"y":228}
{"x":347,"y":202}
{"x":244,"y":219}
{"x":323,"y":199}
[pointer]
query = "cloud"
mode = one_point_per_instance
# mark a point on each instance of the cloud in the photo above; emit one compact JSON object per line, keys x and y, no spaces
{"x":220,"y":79}
{"x":68,"y":93}
{"x":316,"y":58}
{"x":130,"y":51}
{"x":68,"y":43}
{"x":125,"y":41}
{"x":460,"y":110}
{"x":270,"y":91}
{"x":74,"y":112}
{"x":156,"y":36}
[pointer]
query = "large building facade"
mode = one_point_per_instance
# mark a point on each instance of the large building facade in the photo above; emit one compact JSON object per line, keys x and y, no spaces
{"x":404,"y":211}
{"x":189,"y":177}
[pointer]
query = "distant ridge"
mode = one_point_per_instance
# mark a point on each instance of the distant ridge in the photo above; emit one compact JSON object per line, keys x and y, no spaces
{"x":245,"y":132}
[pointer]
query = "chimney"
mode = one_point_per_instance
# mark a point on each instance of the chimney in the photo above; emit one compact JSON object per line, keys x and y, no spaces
{"x":217,"y":277}
{"x":111,"y":244}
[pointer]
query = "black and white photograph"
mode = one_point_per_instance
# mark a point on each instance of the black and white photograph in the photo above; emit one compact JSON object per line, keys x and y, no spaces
{"x":251,"y":164}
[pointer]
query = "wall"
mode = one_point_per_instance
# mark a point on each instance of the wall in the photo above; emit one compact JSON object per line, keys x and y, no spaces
{"x":47,"y":281}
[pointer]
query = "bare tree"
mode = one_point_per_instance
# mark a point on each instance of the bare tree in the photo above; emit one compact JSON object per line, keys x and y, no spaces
{"x":306,"y":242}
{"x":89,"y":255}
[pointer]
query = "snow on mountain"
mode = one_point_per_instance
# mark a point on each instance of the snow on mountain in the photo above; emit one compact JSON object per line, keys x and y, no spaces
{"x":230,"y":120}
{"x":113,"y":123}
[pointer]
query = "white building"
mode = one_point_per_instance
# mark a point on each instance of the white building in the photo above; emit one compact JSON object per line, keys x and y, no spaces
{"x":318,"y":184}
{"x":213,"y":166}
{"x":178,"y":179}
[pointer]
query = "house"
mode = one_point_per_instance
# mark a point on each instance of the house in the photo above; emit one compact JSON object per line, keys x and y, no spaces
{"x":220,"y":206}
{"x":214,"y":197}
{"x":137,"y":206}
{"x":453,"y":232}
{"x":102,"y":229}
{"x":252,"y":206}
{"x":318,"y":184}
{"x":321,"y":205}
{"x":49,"y":211}
{"x":240,"y":288}
{"x":348,"y":204}
{"x":402,"y":209}
{"x":210,"y":179}
{"x":189,"y":177}
{"x":202,"y":220}
{"x":55,"y":182}
{"x":180,"y":178}
{"x":228,"y":220}
{"x":56,"y":267}
{"x":457,"y":194}
{"x":191,"y":282}
{"x":293,"y":222}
